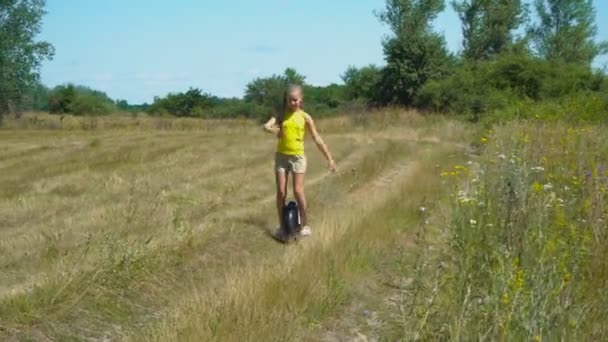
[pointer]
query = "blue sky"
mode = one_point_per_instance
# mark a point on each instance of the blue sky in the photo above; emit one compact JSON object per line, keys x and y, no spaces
{"x":138,"y":49}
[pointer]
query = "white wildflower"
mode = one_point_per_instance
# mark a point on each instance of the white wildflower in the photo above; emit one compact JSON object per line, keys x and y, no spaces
{"x":548,"y":186}
{"x":472,"y":222}
{"x":538,"y":169}
{"x":464,"y":198}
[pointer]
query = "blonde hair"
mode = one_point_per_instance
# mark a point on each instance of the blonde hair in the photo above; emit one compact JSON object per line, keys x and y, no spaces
{"x":290,"y":89}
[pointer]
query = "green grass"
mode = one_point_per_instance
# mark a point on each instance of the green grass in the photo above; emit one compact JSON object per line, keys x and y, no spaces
{"x":523,"y":248}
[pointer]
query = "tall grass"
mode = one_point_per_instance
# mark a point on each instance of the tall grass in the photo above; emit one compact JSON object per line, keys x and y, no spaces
{"x":525,"y":241}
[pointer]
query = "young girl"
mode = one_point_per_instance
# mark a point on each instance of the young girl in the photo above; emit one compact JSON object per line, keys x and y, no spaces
{"x":290,"y":128}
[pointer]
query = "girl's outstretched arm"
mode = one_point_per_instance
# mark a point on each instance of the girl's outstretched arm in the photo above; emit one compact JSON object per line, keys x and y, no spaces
{"x":312,"y":129}
{"x":271,"y":127}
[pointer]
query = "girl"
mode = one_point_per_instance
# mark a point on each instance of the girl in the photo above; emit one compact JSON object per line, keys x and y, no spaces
{"x":290,"y":127}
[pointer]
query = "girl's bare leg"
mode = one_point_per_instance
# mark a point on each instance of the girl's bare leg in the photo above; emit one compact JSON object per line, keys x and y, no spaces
{"x":298,"y":191}
{"x":281,"y":180}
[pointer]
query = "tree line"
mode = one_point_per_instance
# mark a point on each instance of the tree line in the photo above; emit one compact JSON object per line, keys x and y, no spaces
{"x":516,"y":54}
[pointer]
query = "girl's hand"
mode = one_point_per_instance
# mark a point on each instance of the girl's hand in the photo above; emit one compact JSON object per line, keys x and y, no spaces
{"x":271,"y":126}
{"x":332,"y":166}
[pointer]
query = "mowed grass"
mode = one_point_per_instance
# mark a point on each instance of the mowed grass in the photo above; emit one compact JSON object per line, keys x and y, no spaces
{"x":162,"y":232}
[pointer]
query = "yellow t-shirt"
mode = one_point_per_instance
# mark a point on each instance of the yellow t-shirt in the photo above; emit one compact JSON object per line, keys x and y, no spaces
{"x":293,"y":129}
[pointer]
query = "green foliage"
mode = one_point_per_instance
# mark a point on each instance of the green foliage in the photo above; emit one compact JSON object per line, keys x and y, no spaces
{"x":566,"y":31}
{"x":523,"y":250}
{"x":488,"y":25}
{"x":265,"y":95}
{"x":484,"y":87}
{"x":324,"y":100}
{"x":125,"y":106}
{"x":79,"y":100}
{"x":237,"y":108}
{"x":122,"y":105}
{"x":268,"y":92}
{"x":362,"y":83}
{"x":414,"y":54}
{"x":583,"y":107}
{"x":20,"y":53}
{"x":36,"y":97}
{"x":496,"y":73}
{"x":191,"y":103}
{"x":293,"y":77}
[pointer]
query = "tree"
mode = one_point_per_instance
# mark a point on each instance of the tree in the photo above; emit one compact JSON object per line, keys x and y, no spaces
{"x":122,"y":105}
{"x":79,"y":100}
{"x":35,"y":97}
{"x":566,"y":31}
{"x":268,"y":92}
{"x":488,"y":25}
{"x":292,"y":77}
{"x":362,"y":82}
{"x":191,"y":103}
{"x":322,"y":100}
{"x":20,"y":54}
{"x":62,"y":99}
{"x":415,"y":53}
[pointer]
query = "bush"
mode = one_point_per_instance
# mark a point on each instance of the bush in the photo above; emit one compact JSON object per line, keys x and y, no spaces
{"x":264,"y":96}
{"x":79,"y":100}
{"x":193,"y":103}
{"x":237,"y":108}
{"x":480,"y":88}
{"x":362,"y":83}
{"x":466,"y":91}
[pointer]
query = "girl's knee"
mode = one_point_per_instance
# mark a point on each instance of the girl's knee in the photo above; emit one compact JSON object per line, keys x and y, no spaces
{"x":298,"y":192}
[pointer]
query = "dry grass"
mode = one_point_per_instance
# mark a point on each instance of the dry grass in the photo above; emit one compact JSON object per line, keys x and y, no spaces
{"x":161,"y":231}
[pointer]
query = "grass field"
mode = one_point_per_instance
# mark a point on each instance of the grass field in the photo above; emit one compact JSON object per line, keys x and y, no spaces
{"x":159,"y":229}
